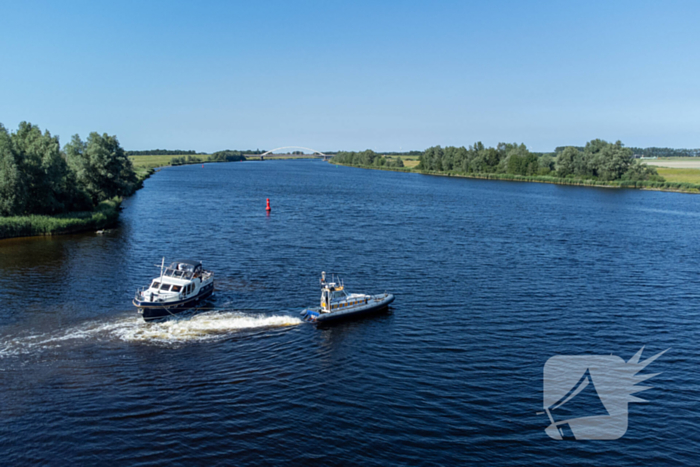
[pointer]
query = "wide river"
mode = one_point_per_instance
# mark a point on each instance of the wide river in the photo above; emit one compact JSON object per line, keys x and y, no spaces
{"x":491,"y":280}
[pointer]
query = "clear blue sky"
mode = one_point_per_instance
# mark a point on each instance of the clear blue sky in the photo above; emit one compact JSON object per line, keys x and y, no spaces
{"x":355,"y":74}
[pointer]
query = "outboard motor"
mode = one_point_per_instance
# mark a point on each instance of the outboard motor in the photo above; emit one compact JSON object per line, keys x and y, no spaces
{"x":309,"y":315}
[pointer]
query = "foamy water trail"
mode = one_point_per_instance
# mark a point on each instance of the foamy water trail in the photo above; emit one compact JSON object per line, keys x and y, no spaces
{"x":201,"y":327}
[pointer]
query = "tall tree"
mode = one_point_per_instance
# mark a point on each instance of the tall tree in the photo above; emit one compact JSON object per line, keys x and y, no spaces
{"x":13,"y":182}
{"x":608,"y":161}
{"x":567,"y":161}
{"x":45,"y":168}
{"x":101,"y":166}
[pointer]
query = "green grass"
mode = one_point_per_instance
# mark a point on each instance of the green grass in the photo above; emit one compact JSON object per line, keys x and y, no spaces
{"x":679,"y":159}
{"x":105,"y":215}
{"x":680,"y":175}
{"x":151,"y":162}
{"x":408,"y":161}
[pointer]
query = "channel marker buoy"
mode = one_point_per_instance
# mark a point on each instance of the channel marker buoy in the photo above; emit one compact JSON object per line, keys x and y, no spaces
{"x":268,"y":208}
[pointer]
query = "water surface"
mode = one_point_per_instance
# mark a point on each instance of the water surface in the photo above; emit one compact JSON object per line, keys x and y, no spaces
{"x":492,"y":278}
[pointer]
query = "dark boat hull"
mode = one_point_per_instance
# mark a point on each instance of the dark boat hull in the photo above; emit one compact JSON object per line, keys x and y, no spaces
{"x":154,"y":311}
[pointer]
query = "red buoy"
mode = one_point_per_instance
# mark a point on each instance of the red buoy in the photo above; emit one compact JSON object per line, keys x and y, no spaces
{"x":268,"y":208}
{"x":202,"y":165}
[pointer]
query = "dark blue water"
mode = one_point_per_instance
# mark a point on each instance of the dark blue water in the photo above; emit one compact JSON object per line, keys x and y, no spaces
{"x":491,"y":278}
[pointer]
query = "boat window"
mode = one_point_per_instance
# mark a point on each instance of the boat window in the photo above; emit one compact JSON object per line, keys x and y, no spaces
{"x":165,"y":287}
{"x":155,"y":285}
{"x":176,"y":288}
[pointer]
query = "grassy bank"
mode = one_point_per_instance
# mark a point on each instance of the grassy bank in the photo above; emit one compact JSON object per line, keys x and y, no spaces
{"x":669,"y":185}
{"x":105,"y":215}
{"x":152,"y":162}
{"x":680,"y":175}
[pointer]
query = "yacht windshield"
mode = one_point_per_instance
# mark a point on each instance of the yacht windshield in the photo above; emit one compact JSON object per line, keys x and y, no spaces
{"x":179,"y":273}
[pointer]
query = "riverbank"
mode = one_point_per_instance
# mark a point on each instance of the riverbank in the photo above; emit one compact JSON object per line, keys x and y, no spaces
{"x":105,"y":215}
{"x":678,"y":187}
{"x":159,"y":161}
{"x":155,"y":162}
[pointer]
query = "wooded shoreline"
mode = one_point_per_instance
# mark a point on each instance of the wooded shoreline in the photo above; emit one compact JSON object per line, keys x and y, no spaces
{"x":105,"y":215}
{"x":640,"y":184}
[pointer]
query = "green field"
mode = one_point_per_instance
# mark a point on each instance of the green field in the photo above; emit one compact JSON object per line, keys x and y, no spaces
{"x":680,"y":175}
{"x":679,"y":159}
{"x":408,"y":161}
{"x":151,"y":162}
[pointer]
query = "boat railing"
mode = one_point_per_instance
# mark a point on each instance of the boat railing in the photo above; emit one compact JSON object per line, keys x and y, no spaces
{"x":139,"y":293}
{"x":332,"y":280}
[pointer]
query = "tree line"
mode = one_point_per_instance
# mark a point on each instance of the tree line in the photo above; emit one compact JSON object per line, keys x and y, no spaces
{"x":649,"y":152}
{"x":161,"y":152}
{"x":37,"y":176}
{"x":219,"y":156}
{"x":367,"y":158}
{"x":598,"y":160}
{"x":404,"y":153}
{"x":181,"y":152}
{"x":665,"y":152}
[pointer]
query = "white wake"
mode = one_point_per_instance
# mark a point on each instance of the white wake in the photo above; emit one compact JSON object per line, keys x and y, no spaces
{"x":212,"y":325}
{"x":204,"y":326}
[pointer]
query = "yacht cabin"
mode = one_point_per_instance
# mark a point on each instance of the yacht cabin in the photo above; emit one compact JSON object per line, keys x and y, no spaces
{"x":179,"y":281}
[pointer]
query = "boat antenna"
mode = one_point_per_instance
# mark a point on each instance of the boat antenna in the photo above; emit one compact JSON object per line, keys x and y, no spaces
{"x":162,"y":264}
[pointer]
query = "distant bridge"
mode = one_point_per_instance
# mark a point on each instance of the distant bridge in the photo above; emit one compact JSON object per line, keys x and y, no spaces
{"x":314,"y":153}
